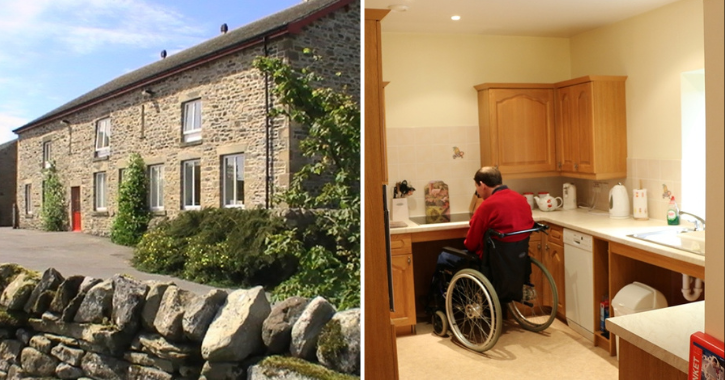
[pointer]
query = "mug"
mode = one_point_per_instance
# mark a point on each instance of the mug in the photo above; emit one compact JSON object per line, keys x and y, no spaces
{"x":530,"y":198}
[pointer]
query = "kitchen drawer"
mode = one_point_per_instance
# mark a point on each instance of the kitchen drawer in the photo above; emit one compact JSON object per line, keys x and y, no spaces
{"x":400,"y":244}
{"x":556,"y":234}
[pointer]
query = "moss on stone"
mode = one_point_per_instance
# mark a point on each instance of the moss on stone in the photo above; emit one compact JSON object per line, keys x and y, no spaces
{"x":12,"y":318}
{"x":8,"y":272}
{"x":305,"y":368}
{"x":332,"y":341}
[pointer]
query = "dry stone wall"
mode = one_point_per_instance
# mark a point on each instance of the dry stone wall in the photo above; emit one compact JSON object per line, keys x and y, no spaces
{"x":121,"y":328}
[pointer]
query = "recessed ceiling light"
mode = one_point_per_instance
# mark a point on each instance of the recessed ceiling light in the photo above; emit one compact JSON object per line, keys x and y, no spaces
{"x":455,"y":18}
{"x":398,"y":7}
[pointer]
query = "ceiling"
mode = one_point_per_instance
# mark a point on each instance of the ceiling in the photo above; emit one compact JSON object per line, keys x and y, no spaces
{"x":543,"y":18}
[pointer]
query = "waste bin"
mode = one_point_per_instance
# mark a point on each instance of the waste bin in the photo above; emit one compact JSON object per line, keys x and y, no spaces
{"x":635,"y":298}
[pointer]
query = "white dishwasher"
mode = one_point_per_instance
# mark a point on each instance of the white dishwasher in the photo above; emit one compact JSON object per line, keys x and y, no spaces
{"x":579,"y":282}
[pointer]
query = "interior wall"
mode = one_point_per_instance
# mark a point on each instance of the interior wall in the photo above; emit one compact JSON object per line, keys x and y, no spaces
{"x":653,"y":50}
{"x":715,"y":119}
{"x":432,"y":75}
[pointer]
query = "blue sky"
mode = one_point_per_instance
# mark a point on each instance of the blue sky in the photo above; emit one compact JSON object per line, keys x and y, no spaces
{"x":52,"y":51}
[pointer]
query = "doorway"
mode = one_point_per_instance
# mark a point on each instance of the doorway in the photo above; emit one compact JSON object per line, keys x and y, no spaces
{"x":75,"y":208}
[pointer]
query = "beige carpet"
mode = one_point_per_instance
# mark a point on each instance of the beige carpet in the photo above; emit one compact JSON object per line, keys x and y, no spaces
{"x":557,"y":353}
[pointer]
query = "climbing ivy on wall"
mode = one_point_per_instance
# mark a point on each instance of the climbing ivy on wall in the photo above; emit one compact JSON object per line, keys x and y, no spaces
{"x":133,"y":213}
{"x":54,"y":213}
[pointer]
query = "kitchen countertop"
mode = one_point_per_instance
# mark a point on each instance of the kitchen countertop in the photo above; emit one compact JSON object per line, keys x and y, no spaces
{"x":597,"y":224}
{"x":672,"y":344}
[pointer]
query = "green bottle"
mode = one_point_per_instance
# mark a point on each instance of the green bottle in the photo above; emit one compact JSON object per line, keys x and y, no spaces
{"x":673,"y":213}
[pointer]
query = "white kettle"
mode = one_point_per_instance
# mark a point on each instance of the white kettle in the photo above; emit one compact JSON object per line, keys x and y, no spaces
{"x":618,"y":202}
{"x":569,"y":196}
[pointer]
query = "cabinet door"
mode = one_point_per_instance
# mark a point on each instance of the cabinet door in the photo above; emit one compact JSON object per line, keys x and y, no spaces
{"x":535,"y":252}
{"x":554,"y":262}
{"x":582,"y":111}
{"x":521,"y":134}
{"x":567,"y":149}
{"x":403,"y":291}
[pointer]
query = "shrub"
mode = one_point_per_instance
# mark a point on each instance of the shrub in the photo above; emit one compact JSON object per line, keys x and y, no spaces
{"x":224,"y":247}
{"x":133,"y":215}
{"x":159,"y":252}
{"x":54,"y":213}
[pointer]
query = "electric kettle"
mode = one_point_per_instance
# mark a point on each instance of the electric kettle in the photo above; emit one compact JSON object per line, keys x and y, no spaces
{"x":569,"y":196}
{"x":618,"y":202}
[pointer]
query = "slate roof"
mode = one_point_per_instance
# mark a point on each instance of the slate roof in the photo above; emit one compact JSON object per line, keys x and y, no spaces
{"x":289,"y":20}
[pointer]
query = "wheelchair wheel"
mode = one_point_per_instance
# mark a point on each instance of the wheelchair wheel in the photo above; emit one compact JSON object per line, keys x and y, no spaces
{"x":440,"y":323}
{"x":538,"y":308}
{"x":473,"y":309}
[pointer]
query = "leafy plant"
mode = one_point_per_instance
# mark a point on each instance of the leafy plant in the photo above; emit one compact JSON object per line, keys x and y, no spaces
{"x":331,"y":121}
{"x":133,"y":215}
{"x":54,"y":212}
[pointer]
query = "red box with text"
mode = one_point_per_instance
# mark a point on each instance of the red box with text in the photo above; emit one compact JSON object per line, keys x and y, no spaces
{"x":706,"y":358}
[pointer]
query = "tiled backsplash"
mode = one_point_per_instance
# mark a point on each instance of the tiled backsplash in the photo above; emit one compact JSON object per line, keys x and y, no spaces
{"x":422,"y":155}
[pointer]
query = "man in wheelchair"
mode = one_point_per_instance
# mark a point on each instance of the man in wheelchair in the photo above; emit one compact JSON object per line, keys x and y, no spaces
{"x":494,"y":270}
{"x":503,"y":210}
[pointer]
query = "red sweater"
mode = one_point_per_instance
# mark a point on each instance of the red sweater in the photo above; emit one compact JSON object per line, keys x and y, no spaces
{"x":504,"y":211}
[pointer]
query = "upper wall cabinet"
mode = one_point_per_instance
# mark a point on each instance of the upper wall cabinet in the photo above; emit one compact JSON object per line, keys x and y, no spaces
{"x":592,"y":127}
{"x":517,"y":132}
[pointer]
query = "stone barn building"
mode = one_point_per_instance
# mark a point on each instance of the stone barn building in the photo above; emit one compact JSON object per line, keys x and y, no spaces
{"x":198,"y":118}
{"x":8,"y":176}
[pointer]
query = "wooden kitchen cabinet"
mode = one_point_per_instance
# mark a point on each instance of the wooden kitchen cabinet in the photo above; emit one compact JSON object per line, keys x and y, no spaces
{"x":549,"y":250}
{"x":403,"y":317}
{"x":592,"y":127}
{"x":517,"y":128}
{"x":553,"y":260}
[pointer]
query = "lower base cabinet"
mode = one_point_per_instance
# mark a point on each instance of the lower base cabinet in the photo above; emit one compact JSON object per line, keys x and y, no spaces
{"x":403,"y":316}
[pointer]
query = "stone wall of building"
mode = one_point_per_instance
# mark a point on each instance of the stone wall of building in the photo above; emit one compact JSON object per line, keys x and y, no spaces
{"x":8,"y":176}
{"x":234,"y":120}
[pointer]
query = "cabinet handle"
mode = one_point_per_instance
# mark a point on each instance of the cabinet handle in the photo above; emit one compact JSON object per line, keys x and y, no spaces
{"x":547,"y":247}
{"x":408,"y":260}
{"x":559,"y":165}
{"x":576,"y":166}
{"x":538,"y":246}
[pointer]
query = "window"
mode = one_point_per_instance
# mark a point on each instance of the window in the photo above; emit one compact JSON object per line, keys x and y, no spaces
{"x":28,"y":202}
{"x":192,"y":121}
{"x":103,"y":137}
{"x":121,"y":174}
{"x":156,"y":187}
{"x":191,"y":184}
{"x":100,"y":191}
{"x":46,"y":154}
{"x":233,"y":180}
{"x":692,"y":87}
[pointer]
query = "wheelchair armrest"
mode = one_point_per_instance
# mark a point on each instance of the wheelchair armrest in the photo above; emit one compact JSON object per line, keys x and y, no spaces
{"x":461,"y":253}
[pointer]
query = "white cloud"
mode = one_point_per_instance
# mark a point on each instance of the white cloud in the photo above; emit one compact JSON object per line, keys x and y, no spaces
{"x":7,"y":124}
{"x":82,"y":26}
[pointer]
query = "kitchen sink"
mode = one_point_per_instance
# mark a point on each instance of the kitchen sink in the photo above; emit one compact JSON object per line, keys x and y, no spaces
{"x":684,"y":239}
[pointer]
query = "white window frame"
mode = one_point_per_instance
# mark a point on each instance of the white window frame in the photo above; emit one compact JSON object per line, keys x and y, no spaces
{"x":28,"y":199}
{"x":191,"y":120}
{"x":194,"y":181}
{"x":156,"y":187}
{"x":99,"y":191}
{"x":103,"y":137}
{"x":46,"y":154}
{"x":233,"y":161}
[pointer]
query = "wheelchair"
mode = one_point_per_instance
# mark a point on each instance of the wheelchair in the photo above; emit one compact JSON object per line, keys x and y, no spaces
{"x":468,"y":299}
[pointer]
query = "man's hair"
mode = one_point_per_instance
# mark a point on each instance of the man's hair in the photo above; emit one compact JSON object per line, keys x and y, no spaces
{"x":489,"y":175}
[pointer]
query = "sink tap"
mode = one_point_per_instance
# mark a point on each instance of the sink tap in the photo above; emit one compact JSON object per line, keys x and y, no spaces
{"x":699,"y":222}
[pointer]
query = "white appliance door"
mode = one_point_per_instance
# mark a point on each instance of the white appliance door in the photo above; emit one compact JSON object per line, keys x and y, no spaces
{"x":579,"y":284}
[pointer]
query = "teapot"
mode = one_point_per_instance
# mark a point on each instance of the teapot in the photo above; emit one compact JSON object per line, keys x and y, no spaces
{"x":548,"y":203}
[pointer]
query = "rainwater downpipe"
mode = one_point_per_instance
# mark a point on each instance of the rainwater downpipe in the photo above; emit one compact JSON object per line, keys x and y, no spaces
{"x":267,"y":137}
{"x":691,"y":294}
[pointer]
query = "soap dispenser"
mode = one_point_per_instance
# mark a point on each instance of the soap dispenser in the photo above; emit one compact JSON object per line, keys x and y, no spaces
{"x":673,"y":213}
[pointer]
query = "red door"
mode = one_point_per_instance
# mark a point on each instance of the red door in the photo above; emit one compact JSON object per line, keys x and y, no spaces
{"x":75,"y":208}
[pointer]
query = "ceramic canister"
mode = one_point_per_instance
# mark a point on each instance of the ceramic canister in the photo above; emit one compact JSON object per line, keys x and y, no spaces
{"x":639,"y":204}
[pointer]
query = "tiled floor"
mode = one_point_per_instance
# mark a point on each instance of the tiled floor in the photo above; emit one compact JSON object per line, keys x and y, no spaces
{"x":557,"y":353}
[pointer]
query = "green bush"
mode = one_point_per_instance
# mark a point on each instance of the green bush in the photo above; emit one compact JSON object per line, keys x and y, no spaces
{"x":159,"y":252}
{"x":54,"y":213}
{"x":224,"y":247}
{"x":133,"y":212}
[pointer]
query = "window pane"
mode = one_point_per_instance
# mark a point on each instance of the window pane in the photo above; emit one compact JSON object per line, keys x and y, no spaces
{"x":197,"y":184}
{"x":100,"y":191}
{"x":156,"y":187}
